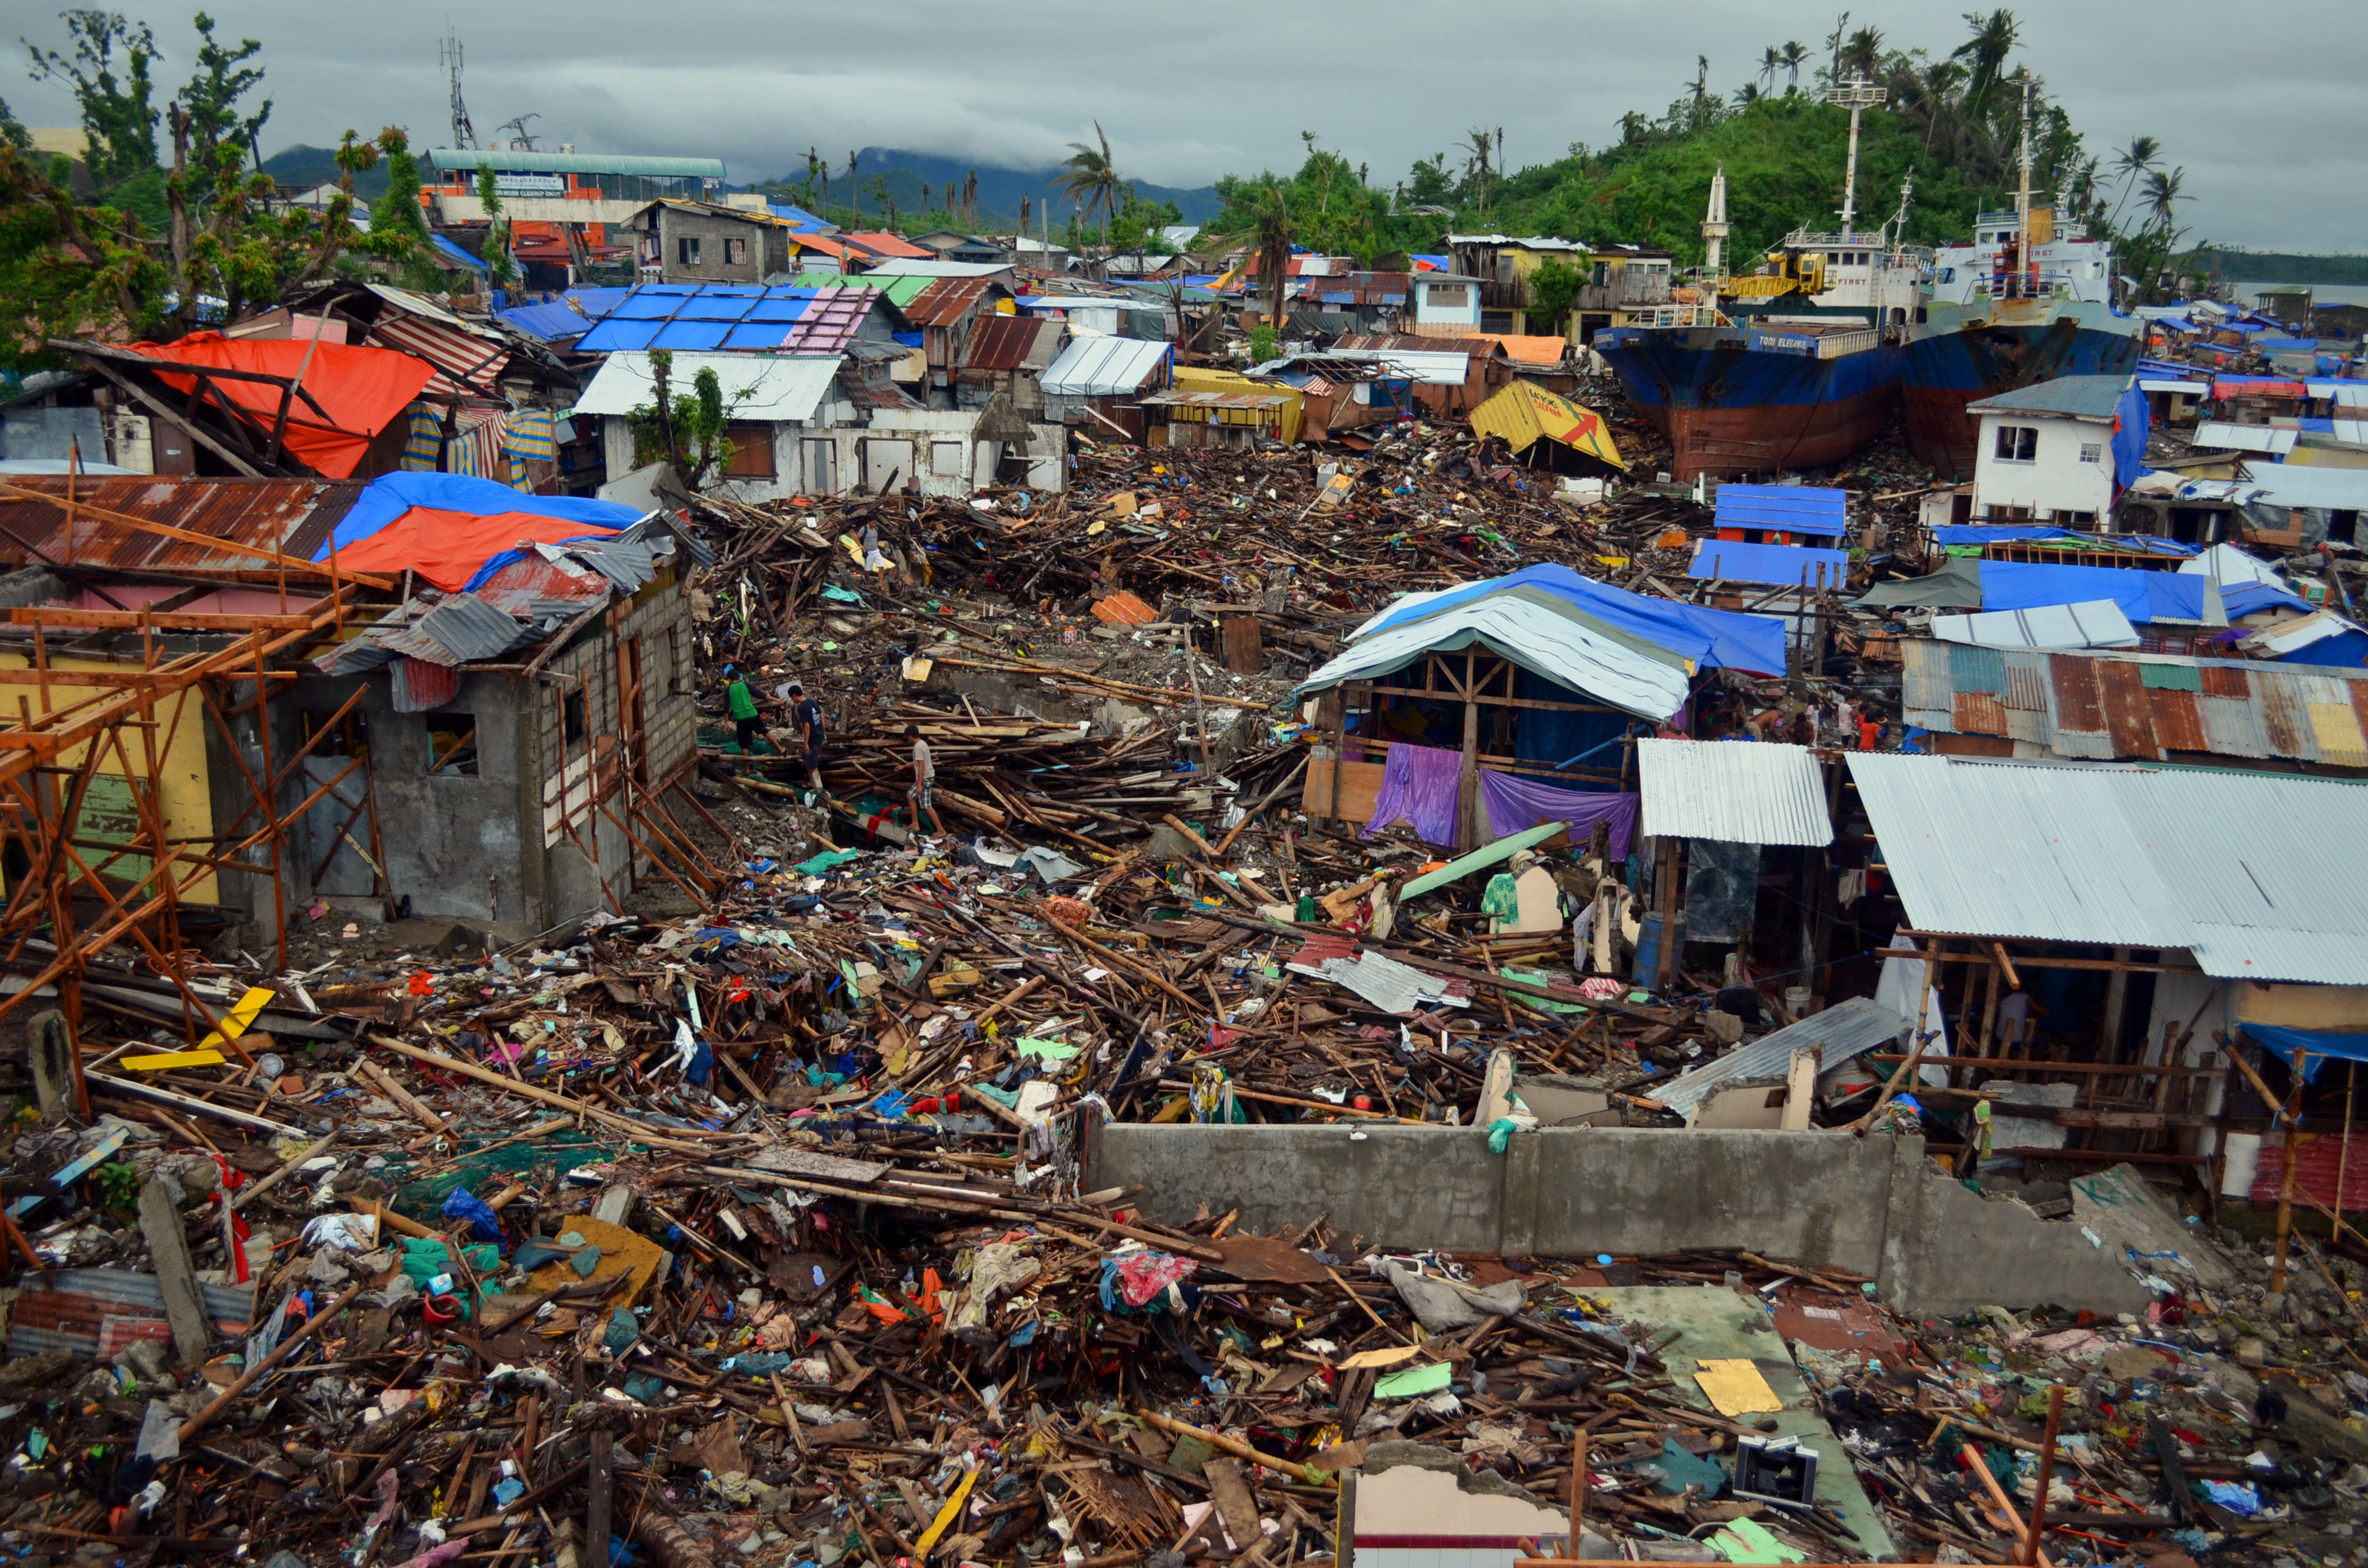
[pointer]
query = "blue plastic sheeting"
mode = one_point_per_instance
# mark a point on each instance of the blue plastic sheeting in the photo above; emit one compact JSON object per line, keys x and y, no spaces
{"x":390,"y":495}
{"x":546,"y":322}
{"x":1713,"y":639}
{"x":797,"y":217}
{"x":2346,"y":650}
{"x":1795,"y":509}
{"x":2007,"y":533}
{"x":2131,"y":417}
{"x":2324,"y":1045}
{"x":454,"y":252}
{"x":1787,"y":564}
{"x":2143,"y":597}
{"x":698,"y":316}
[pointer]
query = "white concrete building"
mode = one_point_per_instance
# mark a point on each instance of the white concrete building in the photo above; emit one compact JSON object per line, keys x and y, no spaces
{"x":2046,"y":451}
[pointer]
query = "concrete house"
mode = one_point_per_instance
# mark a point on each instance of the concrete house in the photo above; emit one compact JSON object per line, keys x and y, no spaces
{"x":784,"y":411}
{"x":1446,"y":304}
{"x":691,"y":241}
{"x":2046,"y":451}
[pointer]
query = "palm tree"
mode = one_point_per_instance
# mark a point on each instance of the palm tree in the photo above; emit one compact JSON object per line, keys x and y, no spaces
{"x":1747,"y":95}
{"x":2162,"y":194}
{"x":1271,"y":231}
{"x":1770,"y":62}
{"x":1938,"y":86}
{"x":1994,"y":39}
{"x":2139,"y":157}
{"x":1699,"y":90}
{"x":1091,"y":179}
{"x":1863,"y":52}
{"x":1477,"y":163}
{"x":1795,"y":53}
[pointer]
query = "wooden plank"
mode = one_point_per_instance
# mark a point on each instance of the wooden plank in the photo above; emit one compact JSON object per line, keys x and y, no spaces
{"x":1360,"y":786}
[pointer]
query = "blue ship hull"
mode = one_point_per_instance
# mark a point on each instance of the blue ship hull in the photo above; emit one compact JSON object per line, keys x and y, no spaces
{"x":1960,"y":359}
{"x":1729,"y":405}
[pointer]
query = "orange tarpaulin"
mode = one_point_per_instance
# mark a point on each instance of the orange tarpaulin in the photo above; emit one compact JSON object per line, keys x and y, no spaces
{"x":449,"y":549}
{"x":362,"y":389}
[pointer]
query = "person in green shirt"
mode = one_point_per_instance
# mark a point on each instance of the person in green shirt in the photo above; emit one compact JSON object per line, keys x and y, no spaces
{"x":744,"y":707}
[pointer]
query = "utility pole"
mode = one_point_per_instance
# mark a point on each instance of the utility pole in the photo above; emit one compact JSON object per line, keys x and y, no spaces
{"x":1857,"y":95}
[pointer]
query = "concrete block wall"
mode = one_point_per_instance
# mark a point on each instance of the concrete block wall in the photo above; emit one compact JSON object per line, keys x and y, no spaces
{"x":1875,"y":1206}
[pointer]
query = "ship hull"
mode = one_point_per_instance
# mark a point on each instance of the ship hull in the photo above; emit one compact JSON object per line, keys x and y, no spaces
{"x":1947,"y":370}
{"x":1729,"y":409}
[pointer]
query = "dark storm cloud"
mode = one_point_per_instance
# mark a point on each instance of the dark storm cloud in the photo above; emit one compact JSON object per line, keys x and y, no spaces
{"x":2265,"y":116}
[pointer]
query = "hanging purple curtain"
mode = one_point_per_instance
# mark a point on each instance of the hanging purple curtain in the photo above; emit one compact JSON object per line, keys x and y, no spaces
{"x":1515,"y":803}
{"x":1418,"y":784}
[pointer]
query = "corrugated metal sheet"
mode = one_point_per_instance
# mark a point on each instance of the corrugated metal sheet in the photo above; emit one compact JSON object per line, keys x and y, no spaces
{"x":291,"y":515}
{"x":1104,"y":367}
{"x":1388,"y":985}
{"x":763,"y":388}
{"x":946,"y":302}
{"x":1843,"y":1032}
{"x":2097,"y":624}
{"x":2246,"y":438}
{"x":463,"y":361}
{"x":999,"y":343}
{"x":832,"y":323}
{"x":2258,"y":874}
{"x":1735,"y":791}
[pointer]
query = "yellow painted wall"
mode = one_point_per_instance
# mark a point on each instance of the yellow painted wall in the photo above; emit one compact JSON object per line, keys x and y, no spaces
{"x":1227,"y":383}
{"x":182,"y":776}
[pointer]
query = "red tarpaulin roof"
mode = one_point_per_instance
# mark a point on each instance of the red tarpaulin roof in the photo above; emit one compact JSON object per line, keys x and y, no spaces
{"x":362,"y":389}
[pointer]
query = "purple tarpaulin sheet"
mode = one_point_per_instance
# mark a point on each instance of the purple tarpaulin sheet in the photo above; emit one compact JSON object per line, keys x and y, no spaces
{"x":1515,"y":803}
{"x":1418,"y":784}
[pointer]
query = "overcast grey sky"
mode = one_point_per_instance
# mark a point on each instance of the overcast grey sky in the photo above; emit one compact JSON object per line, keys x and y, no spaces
{"x":2265,"y":106}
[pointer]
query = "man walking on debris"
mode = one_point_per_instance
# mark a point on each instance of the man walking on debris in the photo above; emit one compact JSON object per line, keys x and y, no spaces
{"x":923,"y":793}
{"x":744,"y":707}
{"x":806,"y":715}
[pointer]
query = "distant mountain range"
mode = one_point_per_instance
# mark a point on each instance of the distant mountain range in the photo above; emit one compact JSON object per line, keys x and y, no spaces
{"x":1000,"y":190}
{"x":306,"y":165}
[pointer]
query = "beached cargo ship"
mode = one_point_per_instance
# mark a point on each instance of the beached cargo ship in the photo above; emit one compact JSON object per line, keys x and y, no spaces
{"x":1781,"y":392}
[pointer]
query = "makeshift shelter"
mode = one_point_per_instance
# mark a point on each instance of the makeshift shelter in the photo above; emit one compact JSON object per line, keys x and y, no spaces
{"x":1539,"y":676}
{"x":1716,"y":805}
{"x":1523,"y":414}
{"x":454,"y":531}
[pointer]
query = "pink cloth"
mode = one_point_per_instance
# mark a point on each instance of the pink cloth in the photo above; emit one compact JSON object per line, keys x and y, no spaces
{"x":1515,"y":803}
{"x":1418,"y":784}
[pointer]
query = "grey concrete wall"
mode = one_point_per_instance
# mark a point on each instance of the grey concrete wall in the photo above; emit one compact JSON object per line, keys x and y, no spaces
{"x":1875,"y":1206}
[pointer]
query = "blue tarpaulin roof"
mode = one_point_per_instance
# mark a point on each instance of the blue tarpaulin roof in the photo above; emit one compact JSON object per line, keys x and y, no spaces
{"x":390,"y":496}
{"x":546,"y":322}
{"x":2143,"y":597}
{"x":2323,"y":1045}
{"x":1789,"y":564}
{"x":452,"y":252}
{"x":1795,"y":509}
{"x":697,"y":316}
{"x":1712,"y":638}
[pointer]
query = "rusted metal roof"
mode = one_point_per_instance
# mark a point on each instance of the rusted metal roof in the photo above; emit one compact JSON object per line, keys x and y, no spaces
{"x":2147,"y":707}
{"x":946,"y":300}
{"x":291,"y":515}
{"x":999,"y":343}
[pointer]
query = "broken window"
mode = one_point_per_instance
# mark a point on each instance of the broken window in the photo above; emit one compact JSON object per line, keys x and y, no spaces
{"x":752,"y":451}
{"x":453,"y":744}
{"x":686,"y":250}
{"x":2018,"y":443}
{"x":575,"y":720}
{"x":736,"y":252}
{"x":1449,"y":296}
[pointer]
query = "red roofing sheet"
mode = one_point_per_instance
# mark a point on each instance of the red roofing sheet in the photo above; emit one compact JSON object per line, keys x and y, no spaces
{"x":2129,"y":717}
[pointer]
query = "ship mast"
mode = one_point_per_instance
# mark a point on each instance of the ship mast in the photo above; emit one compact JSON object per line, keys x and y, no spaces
{"x":1715,"y":227}
{"x":1857,"y":95}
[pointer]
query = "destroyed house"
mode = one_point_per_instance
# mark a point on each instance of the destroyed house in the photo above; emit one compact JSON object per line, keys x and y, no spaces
{"x":946,"y":313}
{"x":1476,"y":711}
{"x":474,"y":699}
{"x":1009,"y":354}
